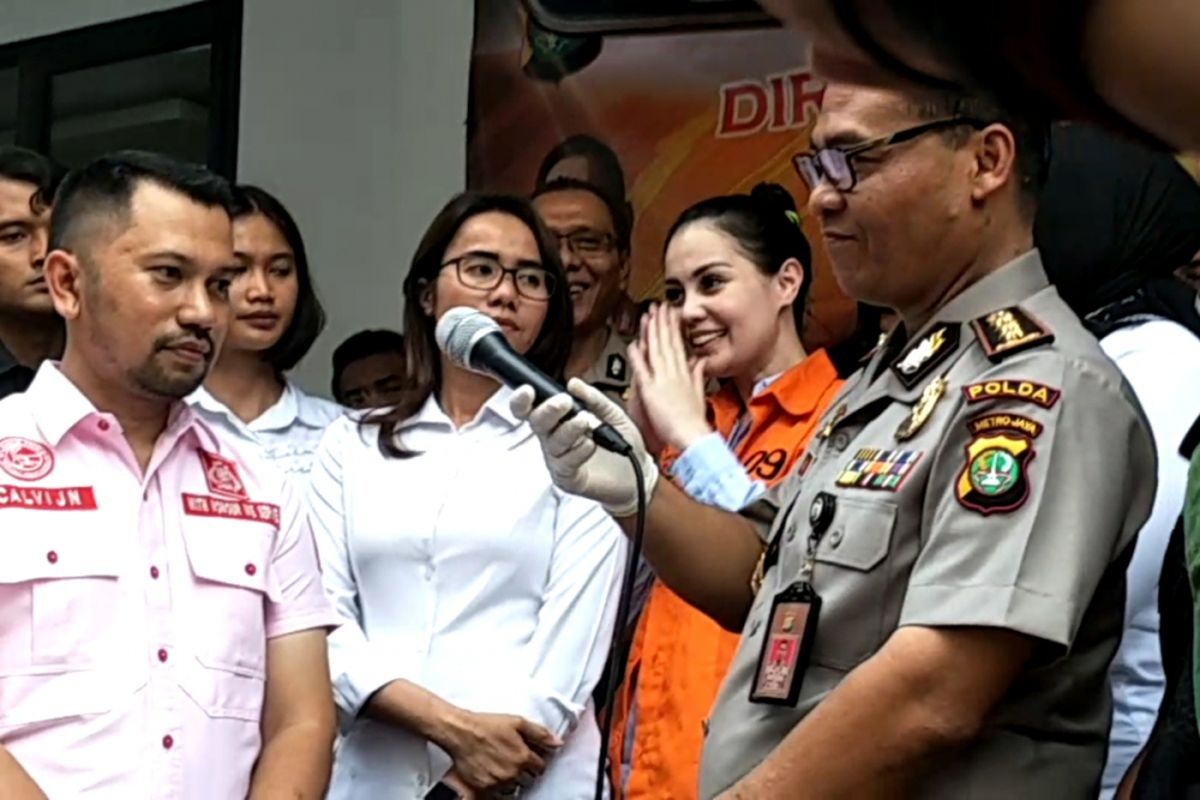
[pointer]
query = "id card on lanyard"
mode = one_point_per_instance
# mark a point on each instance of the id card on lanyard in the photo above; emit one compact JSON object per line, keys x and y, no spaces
{"x":792,"y":623}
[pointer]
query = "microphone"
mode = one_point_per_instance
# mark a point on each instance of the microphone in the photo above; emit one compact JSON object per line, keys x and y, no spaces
{"x":473,"y":340}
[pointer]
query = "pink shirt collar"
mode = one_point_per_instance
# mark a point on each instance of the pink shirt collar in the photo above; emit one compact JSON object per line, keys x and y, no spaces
{"x":57,"y":407}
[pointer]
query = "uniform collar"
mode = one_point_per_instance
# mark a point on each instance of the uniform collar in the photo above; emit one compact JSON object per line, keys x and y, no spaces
{"x":57,"y":407}
{"x":431,"y":413}
{"x":292,"y":406}
{"x":1008,"y":286}
{"x":7,"y":361}
{"x":611,"y":368}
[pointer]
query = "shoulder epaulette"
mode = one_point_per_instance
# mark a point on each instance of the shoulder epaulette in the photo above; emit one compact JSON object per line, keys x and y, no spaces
{"x":1009,"y":330}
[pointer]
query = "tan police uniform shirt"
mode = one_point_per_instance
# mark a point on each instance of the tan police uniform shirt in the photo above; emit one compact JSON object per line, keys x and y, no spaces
{"x":611,"y":373}
{"x":1009,"y":500}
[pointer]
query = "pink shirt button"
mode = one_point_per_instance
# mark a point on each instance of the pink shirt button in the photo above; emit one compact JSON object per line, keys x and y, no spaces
{"x":168,"y":742}
{"x":103,"y":425}
{"x":162,"y":654}
{"x":154,"y":573}
{"x":251,"y":569}
{"x":52,"y":557}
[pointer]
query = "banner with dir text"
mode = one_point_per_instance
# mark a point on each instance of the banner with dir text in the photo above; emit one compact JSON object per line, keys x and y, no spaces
{"x":689,"y":114}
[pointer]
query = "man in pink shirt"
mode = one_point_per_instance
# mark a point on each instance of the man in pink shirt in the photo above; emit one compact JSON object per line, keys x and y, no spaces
{"x":162,"y":622}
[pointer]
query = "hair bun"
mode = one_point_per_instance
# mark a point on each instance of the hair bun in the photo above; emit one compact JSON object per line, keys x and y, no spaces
{"x":774,"y":197}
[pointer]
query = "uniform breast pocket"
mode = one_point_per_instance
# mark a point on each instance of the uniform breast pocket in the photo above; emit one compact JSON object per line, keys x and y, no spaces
{"x":851,"y":575}
{"x":59,"y":600}
{"x":230,"y":563}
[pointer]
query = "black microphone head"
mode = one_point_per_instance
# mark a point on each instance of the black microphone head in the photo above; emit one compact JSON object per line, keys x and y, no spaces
{"x":459,"y":329}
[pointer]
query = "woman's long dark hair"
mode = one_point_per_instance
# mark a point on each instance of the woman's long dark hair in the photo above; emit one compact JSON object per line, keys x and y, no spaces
{"x":423,"y":365}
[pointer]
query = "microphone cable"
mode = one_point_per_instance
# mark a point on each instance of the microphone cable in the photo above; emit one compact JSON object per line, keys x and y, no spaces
{"x":618,"y":652}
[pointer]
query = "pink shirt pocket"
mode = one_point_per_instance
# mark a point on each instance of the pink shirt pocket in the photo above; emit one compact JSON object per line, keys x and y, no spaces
{"x":59,"y":612}
{"x":230,"y":564}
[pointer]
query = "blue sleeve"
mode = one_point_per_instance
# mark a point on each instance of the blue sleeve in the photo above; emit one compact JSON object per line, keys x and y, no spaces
{"x":711,"y":474}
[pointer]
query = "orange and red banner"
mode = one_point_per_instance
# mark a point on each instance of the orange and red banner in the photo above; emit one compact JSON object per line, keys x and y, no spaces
{"x":689,"y":114}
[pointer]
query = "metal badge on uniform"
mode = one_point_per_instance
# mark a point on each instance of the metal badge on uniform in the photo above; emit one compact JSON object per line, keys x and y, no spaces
{"x":924,"y":354}
{"x":827,"y":430}
{"x":615,"y":368}
{"x":922,"y":410}
{"x":787,"y":646}
{"x":1008,"y":331}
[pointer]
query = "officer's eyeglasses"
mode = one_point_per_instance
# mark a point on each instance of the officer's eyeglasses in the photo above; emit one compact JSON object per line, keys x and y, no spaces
{"x":483,"y":272}
{"x":587,"y":243}
{"x":836,"y":164}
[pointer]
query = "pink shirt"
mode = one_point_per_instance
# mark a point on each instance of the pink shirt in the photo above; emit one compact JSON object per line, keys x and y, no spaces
{"x":135,"y":610}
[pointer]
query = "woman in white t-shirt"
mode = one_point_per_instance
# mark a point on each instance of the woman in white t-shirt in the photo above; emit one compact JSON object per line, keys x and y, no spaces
{"x":275,"y":317}
{"x":478,"y":599}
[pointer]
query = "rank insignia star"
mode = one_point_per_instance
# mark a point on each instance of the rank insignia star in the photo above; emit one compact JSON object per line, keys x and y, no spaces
{"x":1009,"y":330}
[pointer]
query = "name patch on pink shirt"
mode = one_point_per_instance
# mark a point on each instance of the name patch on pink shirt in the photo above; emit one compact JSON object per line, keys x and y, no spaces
{"x":76,"y":498}
{"x":198,"y":505}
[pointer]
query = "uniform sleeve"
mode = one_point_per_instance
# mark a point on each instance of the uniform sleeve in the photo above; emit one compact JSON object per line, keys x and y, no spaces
{"x":579,"y":609}
{"x":763,"y":513}
{"x":710,"y":473}
{"x":296,"y":600}
{"x":358,"y":668}
{"x":1031,"y":501}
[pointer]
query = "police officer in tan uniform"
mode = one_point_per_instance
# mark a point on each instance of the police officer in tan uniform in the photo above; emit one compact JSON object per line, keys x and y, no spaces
{"x":594,"y":239}
{"x":932,"y":610}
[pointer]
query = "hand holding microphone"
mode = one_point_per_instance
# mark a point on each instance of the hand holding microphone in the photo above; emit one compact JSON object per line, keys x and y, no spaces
{"x":568,"y":431}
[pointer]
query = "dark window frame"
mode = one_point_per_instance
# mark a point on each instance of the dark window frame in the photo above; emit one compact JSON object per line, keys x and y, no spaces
{"x":213,"y":23}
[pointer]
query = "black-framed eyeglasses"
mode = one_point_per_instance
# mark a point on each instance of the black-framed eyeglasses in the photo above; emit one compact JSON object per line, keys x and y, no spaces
{"x":483,"y":272}
{"x":587,"y":243}
{"x":836,"y":164}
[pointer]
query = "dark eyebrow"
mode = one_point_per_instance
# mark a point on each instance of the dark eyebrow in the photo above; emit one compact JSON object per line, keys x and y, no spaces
{"x":167,"y":255}
{"x":841,"y":139}
{"x":496,"y":257}
{"x":24,"y":223}
{"x":484,"y":253}
{"x":700,"y":270}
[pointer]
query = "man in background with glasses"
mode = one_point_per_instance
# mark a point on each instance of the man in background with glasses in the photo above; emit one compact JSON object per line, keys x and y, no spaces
{"x":593,"y":239}
{"x":932,"y":603}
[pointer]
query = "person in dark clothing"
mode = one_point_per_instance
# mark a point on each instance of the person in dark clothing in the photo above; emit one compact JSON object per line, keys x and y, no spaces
{"x":30,"y":331}
{"x":1115,"y":221}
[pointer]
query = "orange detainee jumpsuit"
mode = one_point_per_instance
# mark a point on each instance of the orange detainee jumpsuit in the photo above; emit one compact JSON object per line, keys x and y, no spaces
{"x":679,"y":657}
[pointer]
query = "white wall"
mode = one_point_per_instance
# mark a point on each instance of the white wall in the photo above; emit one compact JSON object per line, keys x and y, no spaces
{"x":357,"y":120}
{"x":354,"y":112}
{"x":26,"y":19}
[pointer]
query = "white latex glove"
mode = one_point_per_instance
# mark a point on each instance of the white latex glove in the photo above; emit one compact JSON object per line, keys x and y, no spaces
{"x":576,"y":464}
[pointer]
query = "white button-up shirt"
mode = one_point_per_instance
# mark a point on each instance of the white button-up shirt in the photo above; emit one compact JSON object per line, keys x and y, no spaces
{"x":464,"y":571}
{"x":286,"y":434}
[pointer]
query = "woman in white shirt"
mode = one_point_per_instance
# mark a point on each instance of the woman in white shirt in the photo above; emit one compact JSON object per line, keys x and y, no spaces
{"x":478,"y":599}
{"x":275,"y":317}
